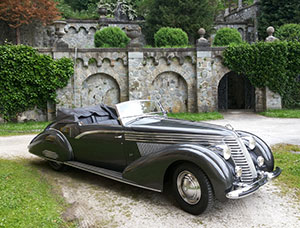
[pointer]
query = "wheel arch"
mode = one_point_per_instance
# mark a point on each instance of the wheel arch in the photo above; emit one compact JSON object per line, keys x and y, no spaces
{"x":154,"y":169}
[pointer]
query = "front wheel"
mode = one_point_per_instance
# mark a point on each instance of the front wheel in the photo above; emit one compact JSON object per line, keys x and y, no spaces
{"x":192,"y":189}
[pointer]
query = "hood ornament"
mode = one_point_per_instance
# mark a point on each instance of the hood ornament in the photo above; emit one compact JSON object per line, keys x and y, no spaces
{"x":229,"y":127}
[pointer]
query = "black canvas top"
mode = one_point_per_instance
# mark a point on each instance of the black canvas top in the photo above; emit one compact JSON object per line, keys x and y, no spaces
{"x":73,"y":115}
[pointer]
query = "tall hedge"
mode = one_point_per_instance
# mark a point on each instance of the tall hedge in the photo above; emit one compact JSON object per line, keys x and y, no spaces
{"x":274,"y":65}
{"x":28,"y":78}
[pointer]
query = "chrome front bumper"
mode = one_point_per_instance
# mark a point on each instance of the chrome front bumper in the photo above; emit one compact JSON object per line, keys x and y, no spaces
{"x":247,"y":190}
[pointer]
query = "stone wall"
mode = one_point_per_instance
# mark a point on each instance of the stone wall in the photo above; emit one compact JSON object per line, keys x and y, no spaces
{"x":183,"y":79}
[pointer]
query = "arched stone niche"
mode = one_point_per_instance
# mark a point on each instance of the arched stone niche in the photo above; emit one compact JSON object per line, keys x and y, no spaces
{"x":171,"y":90}
{"x":100,"y":88}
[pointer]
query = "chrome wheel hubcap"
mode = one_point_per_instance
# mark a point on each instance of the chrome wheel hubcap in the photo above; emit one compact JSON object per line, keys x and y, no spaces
{"x":188,"y":187}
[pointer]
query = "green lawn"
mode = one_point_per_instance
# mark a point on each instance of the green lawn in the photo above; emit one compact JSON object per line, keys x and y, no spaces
{"x":197,"y":116}
{"x":282,"y":113}
{"x":7,"y":129}
{"x":289,"y":161}
{"x":26,"y":199}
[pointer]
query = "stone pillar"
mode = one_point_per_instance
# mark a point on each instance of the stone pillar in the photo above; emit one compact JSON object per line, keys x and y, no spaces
{"x":260,"y":99}
{"x":51,"y":111}
{"x":273,"y":100}
{"x":136,"y":81}
{"x":136,"y":78}
{"x":205,"y":101}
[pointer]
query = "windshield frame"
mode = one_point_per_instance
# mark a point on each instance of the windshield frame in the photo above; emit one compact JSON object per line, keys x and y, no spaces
{"x":136,"y":111}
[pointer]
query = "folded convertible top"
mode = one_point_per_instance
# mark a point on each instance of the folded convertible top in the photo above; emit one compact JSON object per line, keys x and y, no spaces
{"x":75,"y":114}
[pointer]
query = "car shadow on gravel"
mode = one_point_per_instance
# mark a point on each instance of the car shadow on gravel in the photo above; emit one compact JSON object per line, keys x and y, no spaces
{"x":96,"y":182}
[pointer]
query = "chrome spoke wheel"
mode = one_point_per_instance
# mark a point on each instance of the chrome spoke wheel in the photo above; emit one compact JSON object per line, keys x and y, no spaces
{"x":188,"y":187}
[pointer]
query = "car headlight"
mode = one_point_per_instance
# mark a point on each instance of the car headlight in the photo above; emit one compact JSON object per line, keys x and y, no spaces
{"x":238,"y":171}
{"x":260,"y":161}
{"x":225,"y":150}
{"x":250,"y":142}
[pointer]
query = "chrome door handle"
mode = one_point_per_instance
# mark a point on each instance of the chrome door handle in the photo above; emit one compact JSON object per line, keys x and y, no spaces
{"x":118,"y":136}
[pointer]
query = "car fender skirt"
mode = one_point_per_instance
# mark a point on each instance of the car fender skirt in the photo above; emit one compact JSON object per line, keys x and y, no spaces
{"x":150,"y":170}
{"x":51,"y":144}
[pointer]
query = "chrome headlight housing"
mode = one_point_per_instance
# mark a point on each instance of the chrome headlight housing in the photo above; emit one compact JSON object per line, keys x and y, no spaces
{"x":225,"y":150}
{"x":250,"y":142}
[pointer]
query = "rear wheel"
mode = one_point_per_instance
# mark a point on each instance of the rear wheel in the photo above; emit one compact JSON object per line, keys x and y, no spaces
{"x":192,"y":189}
{"x":57,"y":166}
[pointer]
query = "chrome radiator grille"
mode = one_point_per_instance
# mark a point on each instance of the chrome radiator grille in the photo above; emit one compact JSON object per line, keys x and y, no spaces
{"x":242,"y":158}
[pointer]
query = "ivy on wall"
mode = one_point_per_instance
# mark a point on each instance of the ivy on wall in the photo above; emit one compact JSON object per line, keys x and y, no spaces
{"x":274,"y":65}
{"x":28,"y":78}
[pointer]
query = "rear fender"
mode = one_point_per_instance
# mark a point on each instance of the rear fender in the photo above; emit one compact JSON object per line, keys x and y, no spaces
{"x":51,"y":144}
{"x":150,"y":170}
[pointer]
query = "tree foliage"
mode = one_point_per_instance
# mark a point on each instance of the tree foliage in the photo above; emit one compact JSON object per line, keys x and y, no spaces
{"x":274,"y":65}
{"x":189,"y":15}
{"x":276,"y":13}
{"x":226,"y":36}
{"x":29,"y":78}
{"x":18,"y":13}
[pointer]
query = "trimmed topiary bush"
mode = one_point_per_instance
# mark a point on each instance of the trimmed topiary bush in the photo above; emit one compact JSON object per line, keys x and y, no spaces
{"x":111,"y":37}
{"x":288,"y":32}
{"x":226,"y":36}
{"x":171,"y":37}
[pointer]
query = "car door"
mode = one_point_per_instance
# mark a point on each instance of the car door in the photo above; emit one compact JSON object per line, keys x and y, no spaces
{"x":100,"y":145}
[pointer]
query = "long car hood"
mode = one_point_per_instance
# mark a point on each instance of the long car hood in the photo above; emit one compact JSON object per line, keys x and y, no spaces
{"x":179,"y":126}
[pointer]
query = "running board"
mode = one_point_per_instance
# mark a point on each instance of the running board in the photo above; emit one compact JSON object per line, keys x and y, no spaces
{"x":105,"y":173}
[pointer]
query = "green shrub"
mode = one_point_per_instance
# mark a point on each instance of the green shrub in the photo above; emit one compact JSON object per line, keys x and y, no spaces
{"x":29,"y":78}
{"x":274,"y":65}
{"x":111,"y":37}
{"x":288,"y":32}
{"x":170,"y":37}
{"x":226,"y":36}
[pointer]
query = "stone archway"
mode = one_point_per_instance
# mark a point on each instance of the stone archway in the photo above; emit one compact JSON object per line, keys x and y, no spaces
{"x":235,"y":92}
{"x":100,"y":88}
{"x":171,"y":90}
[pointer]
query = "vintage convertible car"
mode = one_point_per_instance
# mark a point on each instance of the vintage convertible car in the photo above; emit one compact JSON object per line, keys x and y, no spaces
{"x":136,"y":143}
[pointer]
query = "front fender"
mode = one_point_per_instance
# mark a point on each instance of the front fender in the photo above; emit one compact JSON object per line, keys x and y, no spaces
{"x":51,"y":144}
{"x":261,"y":149}
{"x":149,"y":170}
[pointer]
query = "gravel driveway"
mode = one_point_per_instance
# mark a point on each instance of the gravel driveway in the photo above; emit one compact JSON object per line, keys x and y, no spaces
{"x":100,"y":202}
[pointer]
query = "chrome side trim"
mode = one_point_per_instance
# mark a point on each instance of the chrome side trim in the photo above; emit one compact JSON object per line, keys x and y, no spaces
{"x":112,"y":177}
{"x":97,"y":132}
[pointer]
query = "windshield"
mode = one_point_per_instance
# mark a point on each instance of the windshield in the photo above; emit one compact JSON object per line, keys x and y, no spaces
{"x":131,"y":110}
